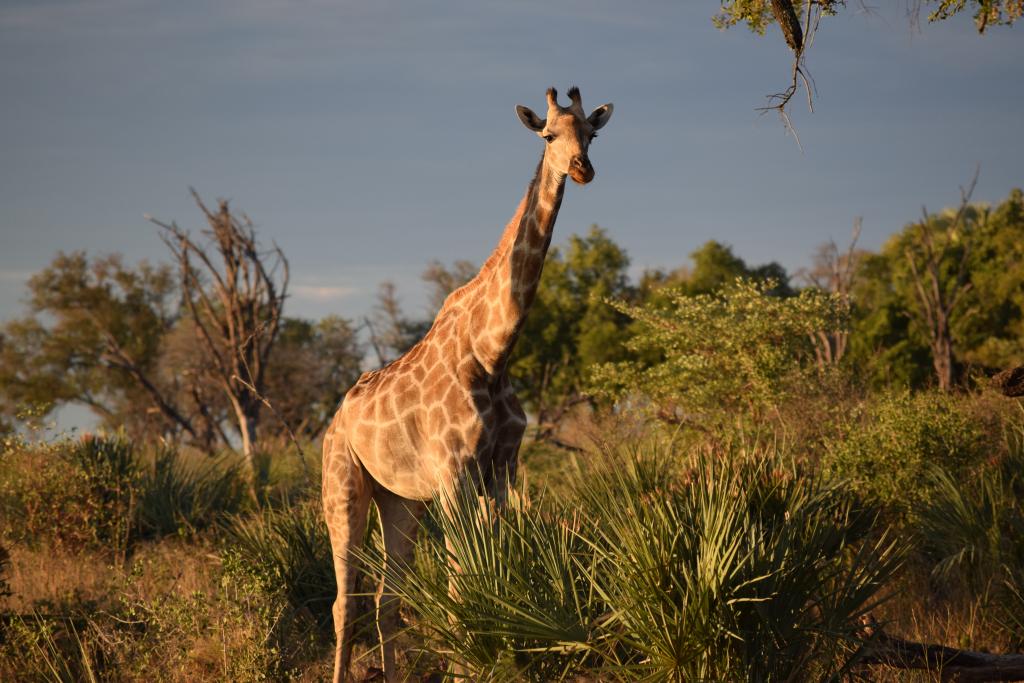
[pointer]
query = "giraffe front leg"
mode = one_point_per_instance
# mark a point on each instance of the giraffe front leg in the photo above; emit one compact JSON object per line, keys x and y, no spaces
{"x":346,"y":500}
{"x":399,"y":522}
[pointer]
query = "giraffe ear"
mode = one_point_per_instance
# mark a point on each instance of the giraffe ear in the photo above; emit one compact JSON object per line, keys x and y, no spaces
{"x":600,"y":116}
{"x":529,"y":119}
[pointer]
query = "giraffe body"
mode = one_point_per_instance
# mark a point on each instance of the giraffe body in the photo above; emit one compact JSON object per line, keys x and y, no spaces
{"x":446,"y":408}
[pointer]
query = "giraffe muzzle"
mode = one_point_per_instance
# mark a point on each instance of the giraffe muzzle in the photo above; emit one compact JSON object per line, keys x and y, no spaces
{"x":581,"y":171}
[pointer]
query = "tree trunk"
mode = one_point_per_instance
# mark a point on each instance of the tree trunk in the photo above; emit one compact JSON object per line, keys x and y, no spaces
{"x":248,"y":419}
{"x":949,"y":663}
{"x":942,"y":356}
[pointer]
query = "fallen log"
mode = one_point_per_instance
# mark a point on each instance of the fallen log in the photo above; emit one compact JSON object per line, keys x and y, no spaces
{"x":950,"y":663}
{"x":1010,"y":382}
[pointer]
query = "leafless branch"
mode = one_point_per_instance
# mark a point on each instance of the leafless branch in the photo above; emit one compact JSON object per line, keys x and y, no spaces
{"x":291,"y":435}
{"x":951,"y":663}
{"x":937,"y":302}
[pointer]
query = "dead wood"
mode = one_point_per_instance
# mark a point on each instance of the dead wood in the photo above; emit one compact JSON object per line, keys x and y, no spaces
{"x":950,"y":663}
{"x":1010,"y":382}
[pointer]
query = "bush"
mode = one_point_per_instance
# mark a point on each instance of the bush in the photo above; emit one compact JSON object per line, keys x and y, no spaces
{"x":715,"y":358}
{"x":740,"y":570}
{"x":242,"y":630}
{"x":100,"y":493}
{"x":73,"y":494}
{"x":732,"y":570}
{"x":970,"y":534}
{"x":289,"y":551}
{"x":891,"y":445}
{"x":175,"y":498}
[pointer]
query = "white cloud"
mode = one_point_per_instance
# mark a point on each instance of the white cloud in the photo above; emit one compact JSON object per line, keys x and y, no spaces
{"x":322,"y":292}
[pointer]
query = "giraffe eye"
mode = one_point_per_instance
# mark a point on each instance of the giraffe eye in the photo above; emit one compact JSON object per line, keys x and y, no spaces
{"x":549,"y":138}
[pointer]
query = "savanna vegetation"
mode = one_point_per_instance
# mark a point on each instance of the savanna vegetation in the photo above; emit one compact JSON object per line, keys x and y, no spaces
{"x":733,"y":472}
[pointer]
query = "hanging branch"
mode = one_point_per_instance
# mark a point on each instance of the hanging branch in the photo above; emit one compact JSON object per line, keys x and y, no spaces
{"x":799,"y":38}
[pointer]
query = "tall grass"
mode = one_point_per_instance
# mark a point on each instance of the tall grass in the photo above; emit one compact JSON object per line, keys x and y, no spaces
{"x":971,"y":533}
{"x":728,"y":570}
{"x":176,"y":497}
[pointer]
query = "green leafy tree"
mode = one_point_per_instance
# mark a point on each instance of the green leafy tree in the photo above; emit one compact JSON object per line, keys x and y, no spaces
{"x":714,"y":266}
{"x":992,"y":329}
{"x":943,"y":295}
{"x":112,"y":337}
{"x":759,"y":14}
{"x":716,"y":357}
{"x":93,"y":337}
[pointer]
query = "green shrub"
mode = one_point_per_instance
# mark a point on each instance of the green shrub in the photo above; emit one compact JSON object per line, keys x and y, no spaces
{"x":892,"y":443}
{"x":526,"y":609}
{"x":731,"y":570}
{"x":971,"y":530}
{"x":739,"y":570}
{"x":102,"y":493}
{"x":71,"y":494}
{"x":47,"y":650}
{"x":715,"y":358}
{"x":289,"y":551}
{"x":970,"y":535}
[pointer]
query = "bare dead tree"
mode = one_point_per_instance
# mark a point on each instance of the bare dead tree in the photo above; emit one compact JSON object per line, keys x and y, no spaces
{"x":235,"y":293}
{"x":391,"y":332}
{"x":834,"y":272}
{"x":938,"y":299}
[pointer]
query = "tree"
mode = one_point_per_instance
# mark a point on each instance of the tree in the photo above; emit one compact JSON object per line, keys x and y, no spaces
{"x":710,"y":358}
{"x":833,"y":271}
{"x":311,"y":367}
{"x":234,"y":294}
{"x":93,"y":337}
{"x":392,"y":333}
{"x":443,"y":281}
{"x":715,"y":266}
{"x":939,"y":294}
{"x":965,"y":303}
{"x":991,"y":331}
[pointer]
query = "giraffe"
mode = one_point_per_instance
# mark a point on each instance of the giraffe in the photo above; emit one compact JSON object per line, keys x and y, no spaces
{"x":446,"y":409}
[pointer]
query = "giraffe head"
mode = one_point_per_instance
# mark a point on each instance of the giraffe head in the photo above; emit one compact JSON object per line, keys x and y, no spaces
{"x":568,"y":133}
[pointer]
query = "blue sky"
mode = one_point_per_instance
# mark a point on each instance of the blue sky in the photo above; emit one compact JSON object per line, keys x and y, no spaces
{"x":368,"y":138}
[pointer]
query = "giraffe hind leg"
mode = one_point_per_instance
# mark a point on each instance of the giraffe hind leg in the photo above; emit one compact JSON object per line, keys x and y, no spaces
{"x":399,"y":521}
{"x":346,"y":500}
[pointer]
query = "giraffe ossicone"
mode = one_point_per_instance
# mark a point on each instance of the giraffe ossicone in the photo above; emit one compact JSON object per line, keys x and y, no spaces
{"x":445,"y":409}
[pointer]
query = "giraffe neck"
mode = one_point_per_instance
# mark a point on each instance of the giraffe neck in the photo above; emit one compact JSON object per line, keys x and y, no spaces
{"x":508,"y":280}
